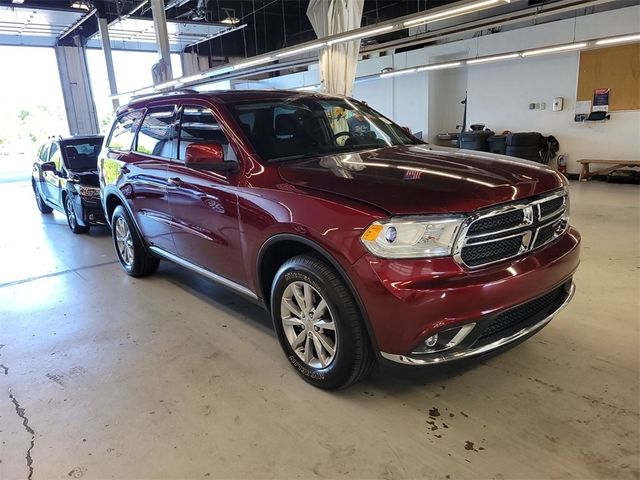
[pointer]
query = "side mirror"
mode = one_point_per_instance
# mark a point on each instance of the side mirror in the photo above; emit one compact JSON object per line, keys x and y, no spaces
{"x":208,"y":156}
{"x":48,"y":167}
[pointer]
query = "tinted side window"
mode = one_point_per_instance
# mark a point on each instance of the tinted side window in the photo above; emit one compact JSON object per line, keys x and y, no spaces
{"x":156,"y":135}
{"x":199,"y":125}
{"x":124,"y":130}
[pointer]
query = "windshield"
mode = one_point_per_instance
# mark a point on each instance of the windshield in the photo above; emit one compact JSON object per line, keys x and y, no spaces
{"x":82,"y":154}
{"x":306,"y":126}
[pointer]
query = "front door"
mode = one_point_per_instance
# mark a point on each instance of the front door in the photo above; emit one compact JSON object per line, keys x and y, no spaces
{"x":204,"y":205}
{"x":52,"y":182}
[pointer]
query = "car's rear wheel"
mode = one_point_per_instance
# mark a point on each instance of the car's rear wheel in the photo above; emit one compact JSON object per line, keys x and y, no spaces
{"x":72,"y":219}
{"x":319,"y":325}
{"x":43,"y":207}
{"x":129,"y":247}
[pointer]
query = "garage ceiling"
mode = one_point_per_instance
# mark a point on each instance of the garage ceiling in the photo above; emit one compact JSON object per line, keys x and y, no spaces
{"x":140,"y":34}
{"x":34,"y":26}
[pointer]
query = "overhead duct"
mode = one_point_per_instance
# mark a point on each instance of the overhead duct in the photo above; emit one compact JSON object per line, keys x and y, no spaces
{"x":337,"y":61}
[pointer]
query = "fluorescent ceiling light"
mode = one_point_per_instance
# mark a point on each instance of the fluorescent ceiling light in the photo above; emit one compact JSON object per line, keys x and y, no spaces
{"x":495,"y":58}
{"x":440,"y":66}
{"x":562,"y":48}
{"x":308,"y":87}
{"x":626,"y":38}
{"x":19,"y":2}
{"x":164,"y":85}
{"x":360,"y":35}
{"x":192,"y":78}
{"x":300,"y":50}
{"x":454,"y":12}
{"x":80,"y":5}
{"x":258,"y":61}
{"x":397,"y":72}
{"x":230,"y":21}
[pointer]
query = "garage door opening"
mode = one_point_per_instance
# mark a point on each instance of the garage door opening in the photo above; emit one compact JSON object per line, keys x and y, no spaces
{"x":32,"y":107}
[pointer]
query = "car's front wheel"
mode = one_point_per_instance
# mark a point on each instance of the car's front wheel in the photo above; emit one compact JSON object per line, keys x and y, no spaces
{"x":319,"y":325}
{"x":129,"y":247}
{"x":72,"y":219}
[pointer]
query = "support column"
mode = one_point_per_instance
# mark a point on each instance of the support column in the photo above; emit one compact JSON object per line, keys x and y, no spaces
{"x":162,"y":37}
{"x":108,"y":58}
{"x":76,"y":90}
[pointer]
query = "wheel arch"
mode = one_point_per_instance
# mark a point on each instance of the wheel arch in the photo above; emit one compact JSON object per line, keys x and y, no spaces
{"x":279,"y":248}
{"x":114,"y":198}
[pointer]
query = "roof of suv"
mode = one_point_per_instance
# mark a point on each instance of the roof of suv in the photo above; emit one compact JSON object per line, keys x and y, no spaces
{"x":224,"y":96}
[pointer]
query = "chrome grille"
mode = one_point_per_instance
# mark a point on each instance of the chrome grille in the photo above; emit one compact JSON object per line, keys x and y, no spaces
{"x":508,"y":231}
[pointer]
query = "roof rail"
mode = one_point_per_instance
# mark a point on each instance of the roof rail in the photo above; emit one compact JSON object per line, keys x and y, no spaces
{"x":179,"y":91}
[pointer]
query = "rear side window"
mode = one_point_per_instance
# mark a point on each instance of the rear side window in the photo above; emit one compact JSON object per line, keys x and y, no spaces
{"x":156,"y":135}
{"x":123,"y":131}
{"x":198,"y":125}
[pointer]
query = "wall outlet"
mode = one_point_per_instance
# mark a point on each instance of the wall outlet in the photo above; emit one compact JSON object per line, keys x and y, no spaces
{"x":543,"y":106}
{"x":532,"y":106}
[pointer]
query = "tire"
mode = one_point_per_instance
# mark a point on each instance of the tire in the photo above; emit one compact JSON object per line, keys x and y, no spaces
{"x":72,"y":218}
{"x":303,"y":338}
{"x":43,"y":207}
{"x":524,"y":139}
{"x":528,"y":153}
{"x":130,"y":247}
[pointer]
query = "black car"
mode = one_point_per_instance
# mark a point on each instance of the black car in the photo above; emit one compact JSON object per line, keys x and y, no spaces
{"x":65,"y":178}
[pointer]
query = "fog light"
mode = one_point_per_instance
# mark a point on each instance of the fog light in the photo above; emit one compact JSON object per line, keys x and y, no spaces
{"x":431,"y":341}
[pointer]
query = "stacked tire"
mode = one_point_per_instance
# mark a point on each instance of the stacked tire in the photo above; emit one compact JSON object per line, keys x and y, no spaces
{"x":524,"y":145}
{"x":475,"y":140}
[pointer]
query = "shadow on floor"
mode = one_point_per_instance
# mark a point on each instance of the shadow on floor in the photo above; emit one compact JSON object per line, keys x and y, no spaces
{"x":386,"y":377}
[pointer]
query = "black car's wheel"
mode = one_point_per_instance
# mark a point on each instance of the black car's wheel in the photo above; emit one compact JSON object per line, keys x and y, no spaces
{"x":43,"y":207}
{"x":72,"y":219}
{"x":319,"y":325}
{"x":129,"y":247}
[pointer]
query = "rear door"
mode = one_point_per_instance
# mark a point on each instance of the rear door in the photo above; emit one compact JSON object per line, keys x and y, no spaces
{"x":204,"y":205}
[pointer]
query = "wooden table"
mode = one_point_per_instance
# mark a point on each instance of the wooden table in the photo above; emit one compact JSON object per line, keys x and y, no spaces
{"x":585,"y":174}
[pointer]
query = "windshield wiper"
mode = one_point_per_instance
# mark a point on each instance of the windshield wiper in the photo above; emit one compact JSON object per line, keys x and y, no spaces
{"x":295,"y":157}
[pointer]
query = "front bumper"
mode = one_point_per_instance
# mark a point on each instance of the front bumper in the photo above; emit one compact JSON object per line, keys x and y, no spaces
{"x":476,"y":347}
{"x":408,"y":301}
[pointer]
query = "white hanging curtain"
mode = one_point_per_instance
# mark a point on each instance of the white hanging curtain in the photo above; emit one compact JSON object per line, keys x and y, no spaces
{"x":337,"y":62}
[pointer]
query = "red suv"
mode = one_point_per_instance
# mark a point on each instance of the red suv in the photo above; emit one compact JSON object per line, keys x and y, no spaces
{"x":363,"y":242}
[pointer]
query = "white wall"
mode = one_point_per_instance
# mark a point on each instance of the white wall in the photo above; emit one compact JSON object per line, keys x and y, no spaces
{"x":499,"y":93}
{"x":499,"y":96}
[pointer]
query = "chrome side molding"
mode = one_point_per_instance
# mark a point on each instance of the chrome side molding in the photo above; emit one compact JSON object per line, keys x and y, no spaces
{"x":203,"y":271}
{"x":447,"y":357}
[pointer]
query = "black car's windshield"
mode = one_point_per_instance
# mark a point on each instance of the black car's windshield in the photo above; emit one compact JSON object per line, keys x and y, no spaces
{"x":82,"y":154}
{"x":299,"y":126}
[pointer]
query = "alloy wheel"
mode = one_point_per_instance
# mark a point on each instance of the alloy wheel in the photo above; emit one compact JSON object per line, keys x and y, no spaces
{"x":71,"y":214}
{"x":124,"y":241}
{"x":308,"y":324}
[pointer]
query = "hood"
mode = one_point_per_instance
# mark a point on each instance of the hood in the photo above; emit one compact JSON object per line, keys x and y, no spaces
{"x":419,"y":179}
{"x":86,"y":178}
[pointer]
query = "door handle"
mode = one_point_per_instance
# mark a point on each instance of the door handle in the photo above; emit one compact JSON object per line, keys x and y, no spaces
{"x":177,"y":181}
{"x":124,"y":169}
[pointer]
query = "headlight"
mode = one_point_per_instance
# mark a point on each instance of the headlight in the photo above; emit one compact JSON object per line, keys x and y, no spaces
{"x":87,"y":192}
{"x":412,"y":237}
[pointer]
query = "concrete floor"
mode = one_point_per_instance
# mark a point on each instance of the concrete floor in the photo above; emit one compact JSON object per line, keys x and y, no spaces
{"x":104,"y":376}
